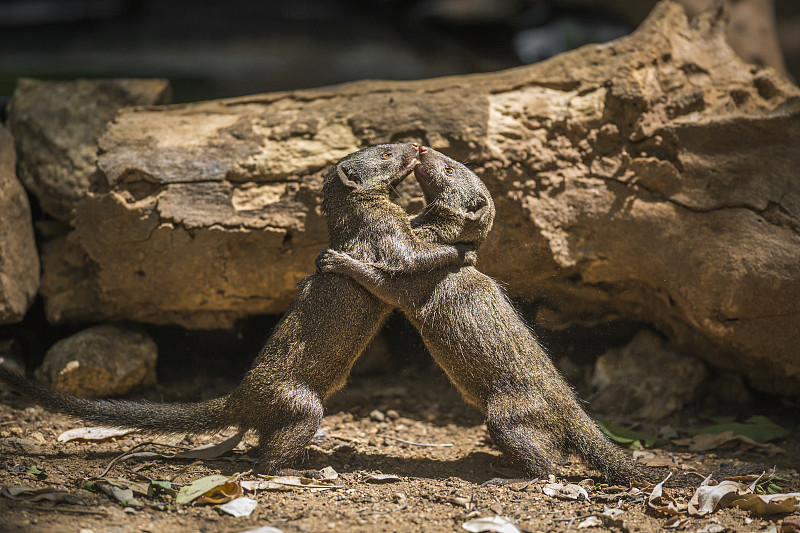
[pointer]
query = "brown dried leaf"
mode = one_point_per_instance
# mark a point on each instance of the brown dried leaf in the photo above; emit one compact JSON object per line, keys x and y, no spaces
{"x":762,"y":505}
{"x":212,"y":451}
{"x":660,"y":502}
{"x":30,"y":494}
{"x":707,"y":498}
{"x":712,"y":441}
{"x":222,"y":494}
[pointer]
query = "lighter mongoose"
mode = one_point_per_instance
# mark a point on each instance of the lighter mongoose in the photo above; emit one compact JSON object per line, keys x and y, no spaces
{"x":312,"y":349}
{"x":474,"y":333}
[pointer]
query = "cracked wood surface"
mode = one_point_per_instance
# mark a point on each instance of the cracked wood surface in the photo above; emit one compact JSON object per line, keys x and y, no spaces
{"x":652,"y":178}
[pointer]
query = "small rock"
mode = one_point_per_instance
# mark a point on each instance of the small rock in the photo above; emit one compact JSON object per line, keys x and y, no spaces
{"x":646,"y":379}
{"x":377,"y":416}
{"x":17,"y":445}
{"x":391,"y":413}
{"x":38,"y":437}
{"x":100,"y":361}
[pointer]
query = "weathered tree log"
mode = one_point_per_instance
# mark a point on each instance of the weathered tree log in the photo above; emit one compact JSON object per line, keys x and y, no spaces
{"x":19,"y":259}
{"x":653,"y":178}
{"x":56,"y":126}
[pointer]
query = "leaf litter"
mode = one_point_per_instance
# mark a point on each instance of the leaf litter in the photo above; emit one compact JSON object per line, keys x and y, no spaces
{"x":508,"y":503}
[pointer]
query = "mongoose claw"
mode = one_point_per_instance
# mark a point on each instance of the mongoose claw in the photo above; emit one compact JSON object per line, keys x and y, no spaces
{"x":329,"y":260}
{"x":468,"y":253}
{"x":470,"y":257}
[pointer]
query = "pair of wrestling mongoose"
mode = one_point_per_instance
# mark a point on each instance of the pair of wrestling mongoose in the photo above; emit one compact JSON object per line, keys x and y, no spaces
{"x":422,"y":266}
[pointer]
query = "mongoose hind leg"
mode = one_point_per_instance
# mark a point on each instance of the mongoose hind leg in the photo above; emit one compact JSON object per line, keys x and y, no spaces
{"x":528,"y":448}
{"x":586,"y":439}
{"x":283,"y":438}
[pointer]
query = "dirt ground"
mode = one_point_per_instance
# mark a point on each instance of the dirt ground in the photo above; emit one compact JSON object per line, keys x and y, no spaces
{"x":439,"y":488}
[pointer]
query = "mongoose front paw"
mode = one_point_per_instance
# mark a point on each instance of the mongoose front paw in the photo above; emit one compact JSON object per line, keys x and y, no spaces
{"x":329,"y":260}
{"x":470,"y":257}
{"x":321,"y":262}
{"x":468,"y":254}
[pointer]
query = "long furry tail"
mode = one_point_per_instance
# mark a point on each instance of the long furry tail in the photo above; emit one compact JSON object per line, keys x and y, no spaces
{"x":200,"y":417}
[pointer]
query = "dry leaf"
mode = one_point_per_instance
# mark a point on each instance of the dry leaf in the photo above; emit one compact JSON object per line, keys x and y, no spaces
{"x":566,"y":492}
{"x":329,"y":474}
{"x":243,"y":506}
{"x":662,"y":503}
{"x":212,"y":451}
{"x":221,"y":494}
{"x":591,"y":521}
{"x":93,"y":434}
{"x":767,"y":504}
{"x":380,"y":478}
{"x":499,"y":524}
{"x":676,"y":522}
{"x":30,"y":494}
{"x":712,"y":441}
{"x":198,"y":487}
{"x":707,"y":498}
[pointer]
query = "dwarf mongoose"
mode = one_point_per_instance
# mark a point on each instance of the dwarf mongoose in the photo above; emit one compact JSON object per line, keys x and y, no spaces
{"x":474,"y":333}
{"x":312,"y":349}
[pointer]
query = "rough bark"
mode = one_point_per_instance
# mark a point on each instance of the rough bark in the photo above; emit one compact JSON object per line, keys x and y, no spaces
{"x":652,"y":178}
{"x":19,"y":260}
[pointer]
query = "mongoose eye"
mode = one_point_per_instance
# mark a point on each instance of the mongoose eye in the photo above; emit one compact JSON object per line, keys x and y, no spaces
{"x":449,"y":171}
{"x":386,"y":155}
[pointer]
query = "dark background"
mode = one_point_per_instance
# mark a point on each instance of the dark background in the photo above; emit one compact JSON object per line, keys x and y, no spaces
{"x":213,"y":49}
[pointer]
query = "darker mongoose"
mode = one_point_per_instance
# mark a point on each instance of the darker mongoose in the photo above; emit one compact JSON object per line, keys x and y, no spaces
{"x":312,"y":349}
{"x":474,"y":333}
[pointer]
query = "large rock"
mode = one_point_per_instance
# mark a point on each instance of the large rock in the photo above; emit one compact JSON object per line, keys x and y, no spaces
{"x":56,"y":125}
{"x":19,"y":260}
{"x":652,"y":178}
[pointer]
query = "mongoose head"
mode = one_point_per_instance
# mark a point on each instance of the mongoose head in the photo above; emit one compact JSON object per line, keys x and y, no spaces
{"x":375,"y":168}
{"x":454,"y":193}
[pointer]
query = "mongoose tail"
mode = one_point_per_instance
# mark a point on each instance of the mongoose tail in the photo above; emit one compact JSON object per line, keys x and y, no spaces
{"x":163,"y":418}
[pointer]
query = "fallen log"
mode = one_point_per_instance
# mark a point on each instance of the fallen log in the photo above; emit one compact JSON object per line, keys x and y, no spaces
{"x":652,"y":178}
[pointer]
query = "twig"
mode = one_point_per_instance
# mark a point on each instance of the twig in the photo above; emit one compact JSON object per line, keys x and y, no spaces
{"x":141,"y":444}
{"x":183,"y":470}
{"x":413,"y":443}
{"x":123,"y":454}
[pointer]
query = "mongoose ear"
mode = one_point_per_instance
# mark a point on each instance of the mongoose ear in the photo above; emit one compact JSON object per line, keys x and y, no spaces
{"x":342,"y":172}
{"x":477,"y":211}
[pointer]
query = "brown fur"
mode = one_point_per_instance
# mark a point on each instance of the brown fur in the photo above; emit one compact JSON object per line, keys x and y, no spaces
{"x":312,"y":349}
{"x":475,"y":334}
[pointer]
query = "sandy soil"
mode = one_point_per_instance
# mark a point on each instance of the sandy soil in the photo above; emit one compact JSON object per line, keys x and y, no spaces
{"x":439,"y":489}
